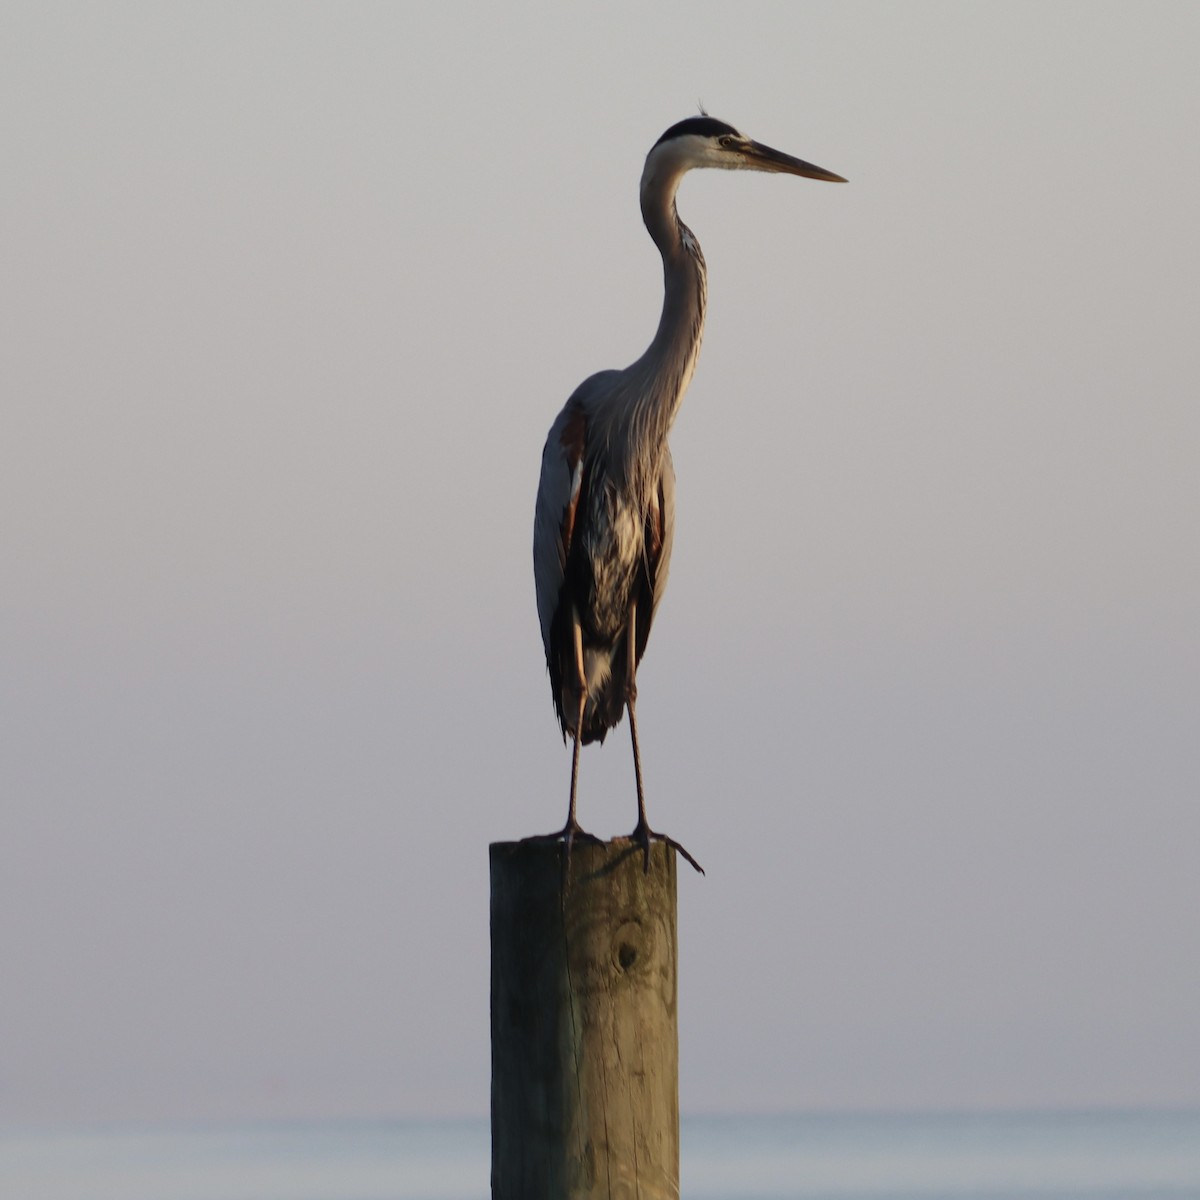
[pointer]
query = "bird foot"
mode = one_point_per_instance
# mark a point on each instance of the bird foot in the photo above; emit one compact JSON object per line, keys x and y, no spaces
{"x":570,"y":833}
{"x":643,"y":835}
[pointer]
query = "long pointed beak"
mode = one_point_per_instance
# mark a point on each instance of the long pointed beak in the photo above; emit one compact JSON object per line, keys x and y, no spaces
{"x":763,"y":158}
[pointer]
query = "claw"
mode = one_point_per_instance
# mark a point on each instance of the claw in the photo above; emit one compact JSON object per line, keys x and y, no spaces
{"x":644,"y":835}
{"x":568,"y":835}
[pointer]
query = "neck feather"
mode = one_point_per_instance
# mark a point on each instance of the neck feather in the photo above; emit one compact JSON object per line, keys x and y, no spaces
{"x":656,"y":382}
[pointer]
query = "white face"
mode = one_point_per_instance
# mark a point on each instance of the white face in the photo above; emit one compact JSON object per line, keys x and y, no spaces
{"x":668,"y":161}
{"x":691,"y":150}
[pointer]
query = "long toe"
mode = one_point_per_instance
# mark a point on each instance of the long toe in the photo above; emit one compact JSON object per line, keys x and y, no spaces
{"x":643,"y":835}
{"x":572,"y":831}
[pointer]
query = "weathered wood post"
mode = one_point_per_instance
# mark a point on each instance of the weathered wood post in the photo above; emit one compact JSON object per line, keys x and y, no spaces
{"x":585,"y":1043}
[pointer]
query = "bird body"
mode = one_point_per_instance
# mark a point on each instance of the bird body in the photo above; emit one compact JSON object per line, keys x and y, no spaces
{"x":607,"y":546}
{"x":605,"y":514}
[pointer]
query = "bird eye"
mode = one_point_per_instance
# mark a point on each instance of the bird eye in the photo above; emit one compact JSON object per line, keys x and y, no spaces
{"x":725,"y":141}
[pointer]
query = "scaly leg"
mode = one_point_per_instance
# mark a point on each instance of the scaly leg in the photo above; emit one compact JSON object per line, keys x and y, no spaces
{"x":642,"y":834}
{"x":572,"y":829}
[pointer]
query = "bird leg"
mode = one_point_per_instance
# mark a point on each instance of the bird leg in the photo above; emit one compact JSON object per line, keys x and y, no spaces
{"x":642,"y":834}
{"x":572,"y":829}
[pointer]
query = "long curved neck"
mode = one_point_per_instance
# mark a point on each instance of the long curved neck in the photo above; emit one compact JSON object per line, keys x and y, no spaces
{"x":685,"y":282}
{"x":664,"y":371}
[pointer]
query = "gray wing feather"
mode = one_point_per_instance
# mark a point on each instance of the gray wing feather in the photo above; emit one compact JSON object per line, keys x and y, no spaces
{"x":558,"y":486}
{"x":563,"y":460}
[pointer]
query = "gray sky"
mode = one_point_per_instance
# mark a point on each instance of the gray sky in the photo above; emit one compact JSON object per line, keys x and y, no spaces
{"x":290,"y":297}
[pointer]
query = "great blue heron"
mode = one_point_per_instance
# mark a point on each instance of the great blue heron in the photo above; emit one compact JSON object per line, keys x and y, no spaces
{"x":605,"y":513}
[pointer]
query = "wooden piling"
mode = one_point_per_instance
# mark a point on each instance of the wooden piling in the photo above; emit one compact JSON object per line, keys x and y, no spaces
{"x":585,"y":1045}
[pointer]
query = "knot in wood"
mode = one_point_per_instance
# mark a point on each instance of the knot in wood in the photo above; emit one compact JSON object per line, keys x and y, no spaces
{"x":629,"y":944}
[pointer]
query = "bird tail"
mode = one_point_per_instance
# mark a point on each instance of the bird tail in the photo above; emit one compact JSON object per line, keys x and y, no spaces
{"x":604,"y":672}
{"x":606,"y":693}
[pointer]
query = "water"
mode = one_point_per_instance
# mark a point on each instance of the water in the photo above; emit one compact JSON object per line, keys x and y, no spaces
{"x":1059,"y":1156}
{"x":1016,"y":1156}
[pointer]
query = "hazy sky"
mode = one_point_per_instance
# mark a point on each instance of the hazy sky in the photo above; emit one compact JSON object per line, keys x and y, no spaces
{"x":291,"y":295}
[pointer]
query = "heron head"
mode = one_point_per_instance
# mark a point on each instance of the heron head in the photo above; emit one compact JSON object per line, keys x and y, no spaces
{"x":706,"y":142}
